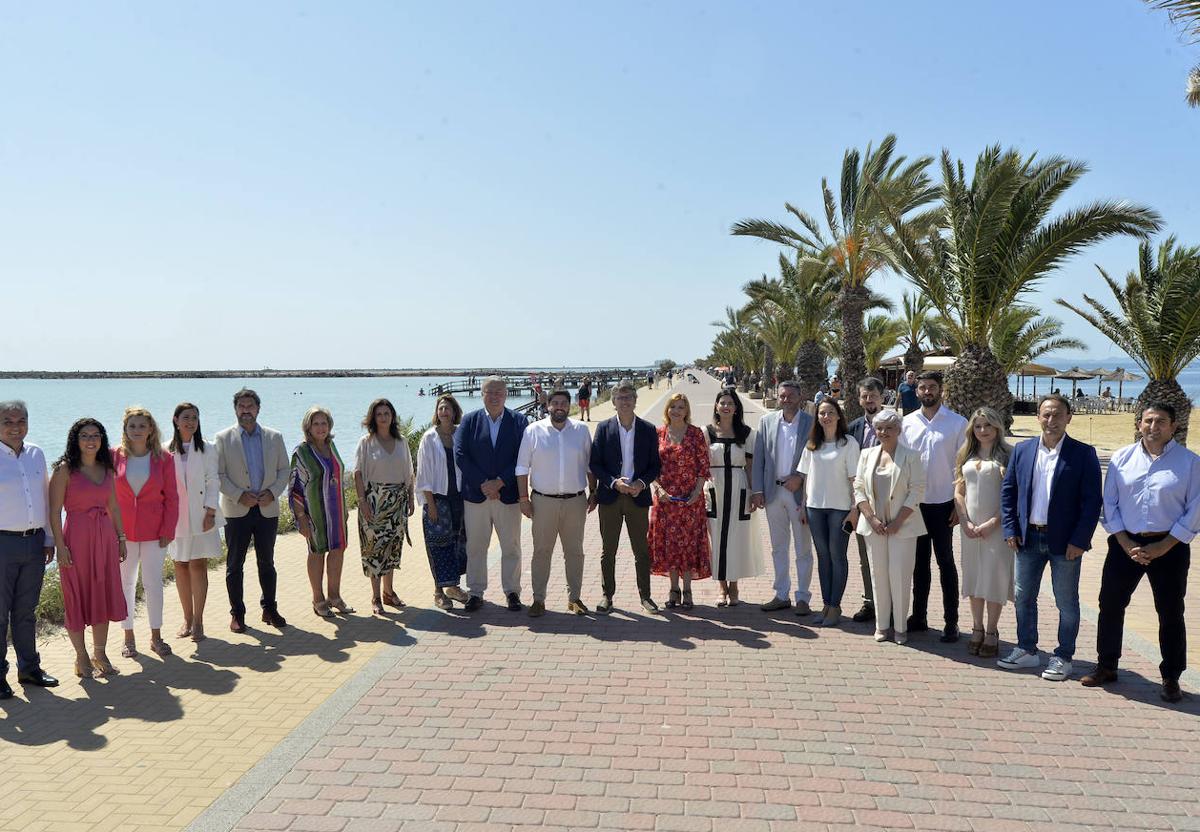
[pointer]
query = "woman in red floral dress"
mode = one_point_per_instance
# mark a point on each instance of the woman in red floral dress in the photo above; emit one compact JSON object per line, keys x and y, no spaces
{"x":679,"y":544}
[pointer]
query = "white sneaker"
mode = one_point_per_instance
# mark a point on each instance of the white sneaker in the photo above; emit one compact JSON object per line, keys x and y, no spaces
{"x":1057,"y":670}
{"x":1018,"y":659}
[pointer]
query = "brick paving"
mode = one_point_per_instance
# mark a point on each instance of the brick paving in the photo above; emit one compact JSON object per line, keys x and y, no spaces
{"x":721,"y":719}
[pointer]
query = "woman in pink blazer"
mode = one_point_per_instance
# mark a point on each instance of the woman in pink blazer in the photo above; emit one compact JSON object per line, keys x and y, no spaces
{"x":149,"y":502}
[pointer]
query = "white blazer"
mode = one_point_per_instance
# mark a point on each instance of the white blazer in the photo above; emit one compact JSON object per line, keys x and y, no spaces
{"x":431,"y":467}
{"x":199,"y":485}
{"x":907,"y":488}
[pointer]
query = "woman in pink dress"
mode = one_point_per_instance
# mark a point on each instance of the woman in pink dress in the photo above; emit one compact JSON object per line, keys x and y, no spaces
{"x":91,"y":545}
{"x":679,"y":545}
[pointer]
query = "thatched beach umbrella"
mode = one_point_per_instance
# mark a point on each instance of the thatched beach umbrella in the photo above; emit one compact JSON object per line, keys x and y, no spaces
{"x":1100,"y":374}
{"x":1120,"y":376}
{"x":1034,"y":371}
{"x":1075,"y":375}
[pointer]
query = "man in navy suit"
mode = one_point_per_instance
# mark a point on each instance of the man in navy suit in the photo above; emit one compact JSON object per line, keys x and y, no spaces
{"x":485,"y":448}
{"x":1049,"y":506}
{"x":624,"y":462}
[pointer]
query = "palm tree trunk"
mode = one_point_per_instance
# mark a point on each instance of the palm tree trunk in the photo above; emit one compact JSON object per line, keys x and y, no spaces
{"x":852,"y":300}
{"x":914,"y":358}
{"x":1168,"y":391}
{"x":810,"y":359}
{"x":976,"y":380}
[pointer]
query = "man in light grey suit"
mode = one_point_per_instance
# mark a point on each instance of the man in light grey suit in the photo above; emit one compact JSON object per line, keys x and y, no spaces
{"x":780,"y":490}
{"x":254,"y":468}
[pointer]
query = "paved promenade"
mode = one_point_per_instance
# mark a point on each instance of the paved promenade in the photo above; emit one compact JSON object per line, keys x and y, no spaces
{"x":718,"y":719}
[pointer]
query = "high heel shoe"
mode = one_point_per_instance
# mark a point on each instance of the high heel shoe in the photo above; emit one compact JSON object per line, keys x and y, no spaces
{"x":673,"y":599}
{"x":991,"y":645}
{"x":340,"y":605}
{"x":103,"y":666}
{"x":393,"y":600}
{"x":321,"y":608}
{"x":377,"y":606}
{"x":198,"y":633}
{"x":84,"y":668}
{"x":976,"y":641}
{"x":686,"y":603}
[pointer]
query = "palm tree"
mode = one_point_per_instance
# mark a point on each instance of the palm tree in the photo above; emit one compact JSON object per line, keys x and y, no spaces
{"x":1186,"y":12}
{"x":1157,"y":323}
{"x":922,"y":329}
{"x":996,"y":247}
{"x":857,"y":225}
{"x":804,"y":294}
{"x":1021,"y":337}
{"x":735,"y":344}
{"x":881,"y":335}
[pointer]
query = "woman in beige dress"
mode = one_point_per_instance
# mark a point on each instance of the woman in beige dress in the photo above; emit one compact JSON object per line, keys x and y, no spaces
{"x":987,"y":562}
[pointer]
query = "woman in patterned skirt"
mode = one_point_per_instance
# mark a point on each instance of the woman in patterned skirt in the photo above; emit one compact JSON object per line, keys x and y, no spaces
{"x":438,"y":484}
{"x":319,"y":504}
{"x":736,"y":543}
{"x":383,"y":478}
{"x":678,"y":534}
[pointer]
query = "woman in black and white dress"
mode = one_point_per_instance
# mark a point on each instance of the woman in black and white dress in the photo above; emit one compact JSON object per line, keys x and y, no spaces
{"x":736,"y":548}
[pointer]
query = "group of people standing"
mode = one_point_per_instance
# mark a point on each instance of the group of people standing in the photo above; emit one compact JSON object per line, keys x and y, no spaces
{"x":685,"y":496}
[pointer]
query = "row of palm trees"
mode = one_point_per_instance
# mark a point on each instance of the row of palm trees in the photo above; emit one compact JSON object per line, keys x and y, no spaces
{"x":973,"y":246}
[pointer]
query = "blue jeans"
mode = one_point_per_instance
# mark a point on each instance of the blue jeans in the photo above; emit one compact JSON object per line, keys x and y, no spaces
{"x":830,"y":542}
{"x":1032,"y":558}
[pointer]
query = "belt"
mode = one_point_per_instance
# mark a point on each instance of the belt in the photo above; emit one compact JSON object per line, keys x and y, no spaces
{"x":26,"y":533}
{"x":559,"y":496}
{"x":781,"y":482}
{"x":1148,"y":535}
{"x":1038,"y":528}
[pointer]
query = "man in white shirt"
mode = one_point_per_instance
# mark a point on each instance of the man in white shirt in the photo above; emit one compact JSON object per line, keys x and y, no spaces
{"x":24,"y":545}
{"x":936,"y":432}
{"x":552,"y":476}
{"x":780,"y":490}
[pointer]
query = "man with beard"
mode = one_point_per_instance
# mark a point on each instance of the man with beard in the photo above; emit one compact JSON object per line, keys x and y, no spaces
{"x":935,"y":432}
{"x":870,"y":399}
{"x":552,"y":474}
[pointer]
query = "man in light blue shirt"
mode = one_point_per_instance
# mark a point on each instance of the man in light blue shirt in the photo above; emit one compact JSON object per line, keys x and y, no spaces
{"x":253,"y":449}
{"x":1151,"y":512}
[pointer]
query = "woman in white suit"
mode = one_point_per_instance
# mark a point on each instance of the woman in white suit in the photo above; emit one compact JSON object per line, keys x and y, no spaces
{"x":888,"y":489}
{"x":196,"y":536}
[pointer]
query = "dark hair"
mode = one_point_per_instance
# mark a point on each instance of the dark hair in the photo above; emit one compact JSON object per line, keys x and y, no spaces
{"x":816,"y":436}
{"x":566,"y":394}
{"x":931,"y":375}
{"x":176,"y":440}
{"x":1054,"y":397}
{"x":1160,"y":406}
{"x":791,"y":382}
{"x":246,"y":393}
{"x":369,"y":420}
{"x":72,"y":457}
{"x":871,"y":383}
{"x":741,"y":431}
{"x":455,"y":406}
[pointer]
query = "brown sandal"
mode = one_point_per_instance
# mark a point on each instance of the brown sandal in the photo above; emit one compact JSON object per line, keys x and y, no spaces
{"x":991,"y":645}
{"x":377,"y":606}
{"x":393,"y":600}
{"x":976,"y":641}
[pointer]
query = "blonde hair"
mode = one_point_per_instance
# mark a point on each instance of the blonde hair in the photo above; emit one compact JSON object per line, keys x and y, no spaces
{"x":312,"y":413}
{"x":677,"y":397}
{"x":1001,"y":451}
{"x":153,"y":438}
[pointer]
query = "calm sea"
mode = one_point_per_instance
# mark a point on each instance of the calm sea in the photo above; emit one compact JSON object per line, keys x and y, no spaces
{"x":1189,"y":379}
{"x":55,"y":404}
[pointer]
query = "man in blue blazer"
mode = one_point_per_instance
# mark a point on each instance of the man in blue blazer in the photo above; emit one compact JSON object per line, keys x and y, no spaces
{"x":485,"y":449}
{"x":1049,"y":507}
{"x":624,"y":461}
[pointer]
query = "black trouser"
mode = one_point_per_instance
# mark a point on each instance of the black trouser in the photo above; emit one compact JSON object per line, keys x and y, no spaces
{"x":22,"y":567}
{"x":864,"y":565}
{"x":1168,"y":582}
{"x":636,"y":519}
{"x":238,"y":533}
{"x":940,"y":536}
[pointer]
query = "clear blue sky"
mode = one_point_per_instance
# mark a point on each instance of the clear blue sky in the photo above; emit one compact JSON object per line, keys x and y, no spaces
{"x":403,"y":184}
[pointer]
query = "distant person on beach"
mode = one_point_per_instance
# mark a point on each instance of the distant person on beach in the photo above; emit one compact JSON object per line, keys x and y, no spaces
{"x":907,"y":391}
{"x":556,"y":491}
{"x":439,"y":491}
{"x":1152,"y":514}
{"x":255,"y":469}
{"x":383,"y":481}
{"x":935,"y":432}
{"x":149,"y":500}
{"x":485,"y":449}
{"x":678,"y":531}
{"x":1050,"y":504}
{"x":1107,"y":394}
{"x":198,"y":480}
{"x":779,"y":488}
{"x":625,"y":462}
{"x":584,"y":396}
{"x":25,"y":545}
{"x":317,"y":498}
{"x":90,"y":544}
